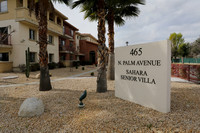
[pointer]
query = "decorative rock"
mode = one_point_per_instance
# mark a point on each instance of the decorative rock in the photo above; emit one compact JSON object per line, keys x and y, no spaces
{"x":31,"y":107}
{"x":37,"y":76}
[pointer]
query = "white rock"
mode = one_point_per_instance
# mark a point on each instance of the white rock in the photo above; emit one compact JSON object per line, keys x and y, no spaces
{"x":31,"y":107}
{"x":37,"y":76}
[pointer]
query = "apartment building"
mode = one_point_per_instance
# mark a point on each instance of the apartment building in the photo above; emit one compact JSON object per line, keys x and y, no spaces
{"x":86,"y":46}
{"x":19,"y":30}
{"x":67,"y":45}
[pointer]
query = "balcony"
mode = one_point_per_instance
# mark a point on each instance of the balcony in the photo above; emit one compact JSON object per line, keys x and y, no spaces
{"x":23,"y":15}
{"x":5,"y":41}
{"x":67,"y":36}
{"x":66,"y":49}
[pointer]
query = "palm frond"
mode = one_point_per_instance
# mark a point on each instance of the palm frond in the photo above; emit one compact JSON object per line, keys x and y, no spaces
{"x":67,"y":2}
{"x":119,"y":21}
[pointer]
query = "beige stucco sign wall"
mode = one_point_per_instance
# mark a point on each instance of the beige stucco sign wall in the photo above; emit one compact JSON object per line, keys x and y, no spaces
{"x":143,"y":74}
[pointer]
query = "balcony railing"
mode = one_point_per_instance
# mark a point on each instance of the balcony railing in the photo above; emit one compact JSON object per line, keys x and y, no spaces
{"x":23,"y":15}
{"x":67,"y":48}
{"x":5,"y":39}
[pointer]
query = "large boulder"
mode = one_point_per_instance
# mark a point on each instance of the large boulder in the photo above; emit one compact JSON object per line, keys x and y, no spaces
{"x":31,"y":107}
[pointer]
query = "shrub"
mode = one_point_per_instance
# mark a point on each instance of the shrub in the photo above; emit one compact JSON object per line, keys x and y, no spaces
{"x":76,"y":67}
{"x":22,"y":67}
{"x":92,"y":74}
{"x":52,"y":65}
{"x":88,"y":63}
{"x":76,"y":63}
{"x":83,"y":68}
{"x":35,"y":67}
{"x":61,"y":65}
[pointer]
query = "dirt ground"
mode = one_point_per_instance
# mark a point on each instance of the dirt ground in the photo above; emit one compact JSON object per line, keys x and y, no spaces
{"x":56,"y":73}
{"x":103,"y":112}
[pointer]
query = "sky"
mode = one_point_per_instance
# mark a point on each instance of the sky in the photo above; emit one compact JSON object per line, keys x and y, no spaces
{"x":156,"y":21}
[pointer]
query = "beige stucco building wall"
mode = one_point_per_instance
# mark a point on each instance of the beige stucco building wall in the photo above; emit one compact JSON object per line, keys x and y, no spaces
{"x":19,"y":20}
{"x":20,"y":42}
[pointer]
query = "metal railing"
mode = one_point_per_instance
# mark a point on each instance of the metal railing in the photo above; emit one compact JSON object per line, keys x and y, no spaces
{"x":66,"y":48}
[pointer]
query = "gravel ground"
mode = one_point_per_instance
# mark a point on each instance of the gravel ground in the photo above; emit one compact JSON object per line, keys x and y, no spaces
{"x":103,"y":111}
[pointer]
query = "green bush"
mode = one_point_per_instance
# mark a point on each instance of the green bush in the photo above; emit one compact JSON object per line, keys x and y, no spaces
{"x":76,"y":67}
{"x":61,"y":65}
{"x":35,"y":67}
{"x":76,"y":63}
{"x":92,"y":74}
{"x":83,"y":68}
{"x":22,"y":67}
{"x":52,"y":65}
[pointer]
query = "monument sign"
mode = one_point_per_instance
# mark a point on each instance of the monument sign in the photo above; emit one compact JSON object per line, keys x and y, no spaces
{"x":142,"y":74}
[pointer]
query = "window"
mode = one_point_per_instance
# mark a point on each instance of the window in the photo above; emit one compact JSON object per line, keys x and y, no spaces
{"x":4,"y":35}
{"x":19,"y":3}
{"x":58,"y":21}
{"x":51,"y":58}
{"x":50,"y":39}
{"x":78,"y":37}
{"x":71,"y":57}
{"x":32,"y":56}
{"x":62,"y":42}
{"x":62,"y":57}
{"x":31,"y":34}
{"x":3,"y":6}
{"x":4,"y":57}
{"x":78,"y":48}
{"x":72,"y":32}
{"x":63,"y":29}
{"x":51,"y":17}
{"x":71,"y":44}
{"x":29,"y":3}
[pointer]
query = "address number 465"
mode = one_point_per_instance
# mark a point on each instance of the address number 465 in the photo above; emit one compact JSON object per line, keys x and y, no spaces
{"x":136,"y":52}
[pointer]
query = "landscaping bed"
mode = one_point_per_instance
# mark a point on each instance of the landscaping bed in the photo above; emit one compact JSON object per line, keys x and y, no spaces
{"x":103,"y":112}
{"x":56,"y":73}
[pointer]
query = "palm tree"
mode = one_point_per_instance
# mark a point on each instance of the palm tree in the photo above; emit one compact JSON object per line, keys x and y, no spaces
{"x":40,"y":8}
{"x":99,"y":6}
{"x":116,"y":10}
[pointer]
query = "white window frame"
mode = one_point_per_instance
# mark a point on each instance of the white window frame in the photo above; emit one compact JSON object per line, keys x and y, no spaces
{"x":51,"y":41}
{"x":52,"y":58}
{"x":6,"y":6}
{"x":32,"y":34}
{"x":35,"y":54}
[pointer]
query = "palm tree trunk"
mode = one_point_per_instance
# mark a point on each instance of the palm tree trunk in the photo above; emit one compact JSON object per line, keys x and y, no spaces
{"x":111,"y":61}
{"x":45,"y":83}
{"x":102,"y":50}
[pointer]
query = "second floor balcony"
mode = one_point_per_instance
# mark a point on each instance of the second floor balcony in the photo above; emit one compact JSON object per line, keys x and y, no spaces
{"x":23,"y":15}
{"x":67,"y":49}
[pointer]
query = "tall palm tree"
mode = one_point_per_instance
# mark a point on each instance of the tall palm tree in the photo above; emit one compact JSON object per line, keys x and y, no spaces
{"x":99,"y":6}
{"x":116,"y":11}
{"x":40,"y":8}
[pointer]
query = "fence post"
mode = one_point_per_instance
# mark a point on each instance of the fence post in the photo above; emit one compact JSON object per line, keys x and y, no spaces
{"x":178,"y":66}
{"x":188,"y":72}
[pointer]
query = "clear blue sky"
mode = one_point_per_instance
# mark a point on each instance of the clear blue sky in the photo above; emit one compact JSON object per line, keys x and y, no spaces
{"x":157,"y":19}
